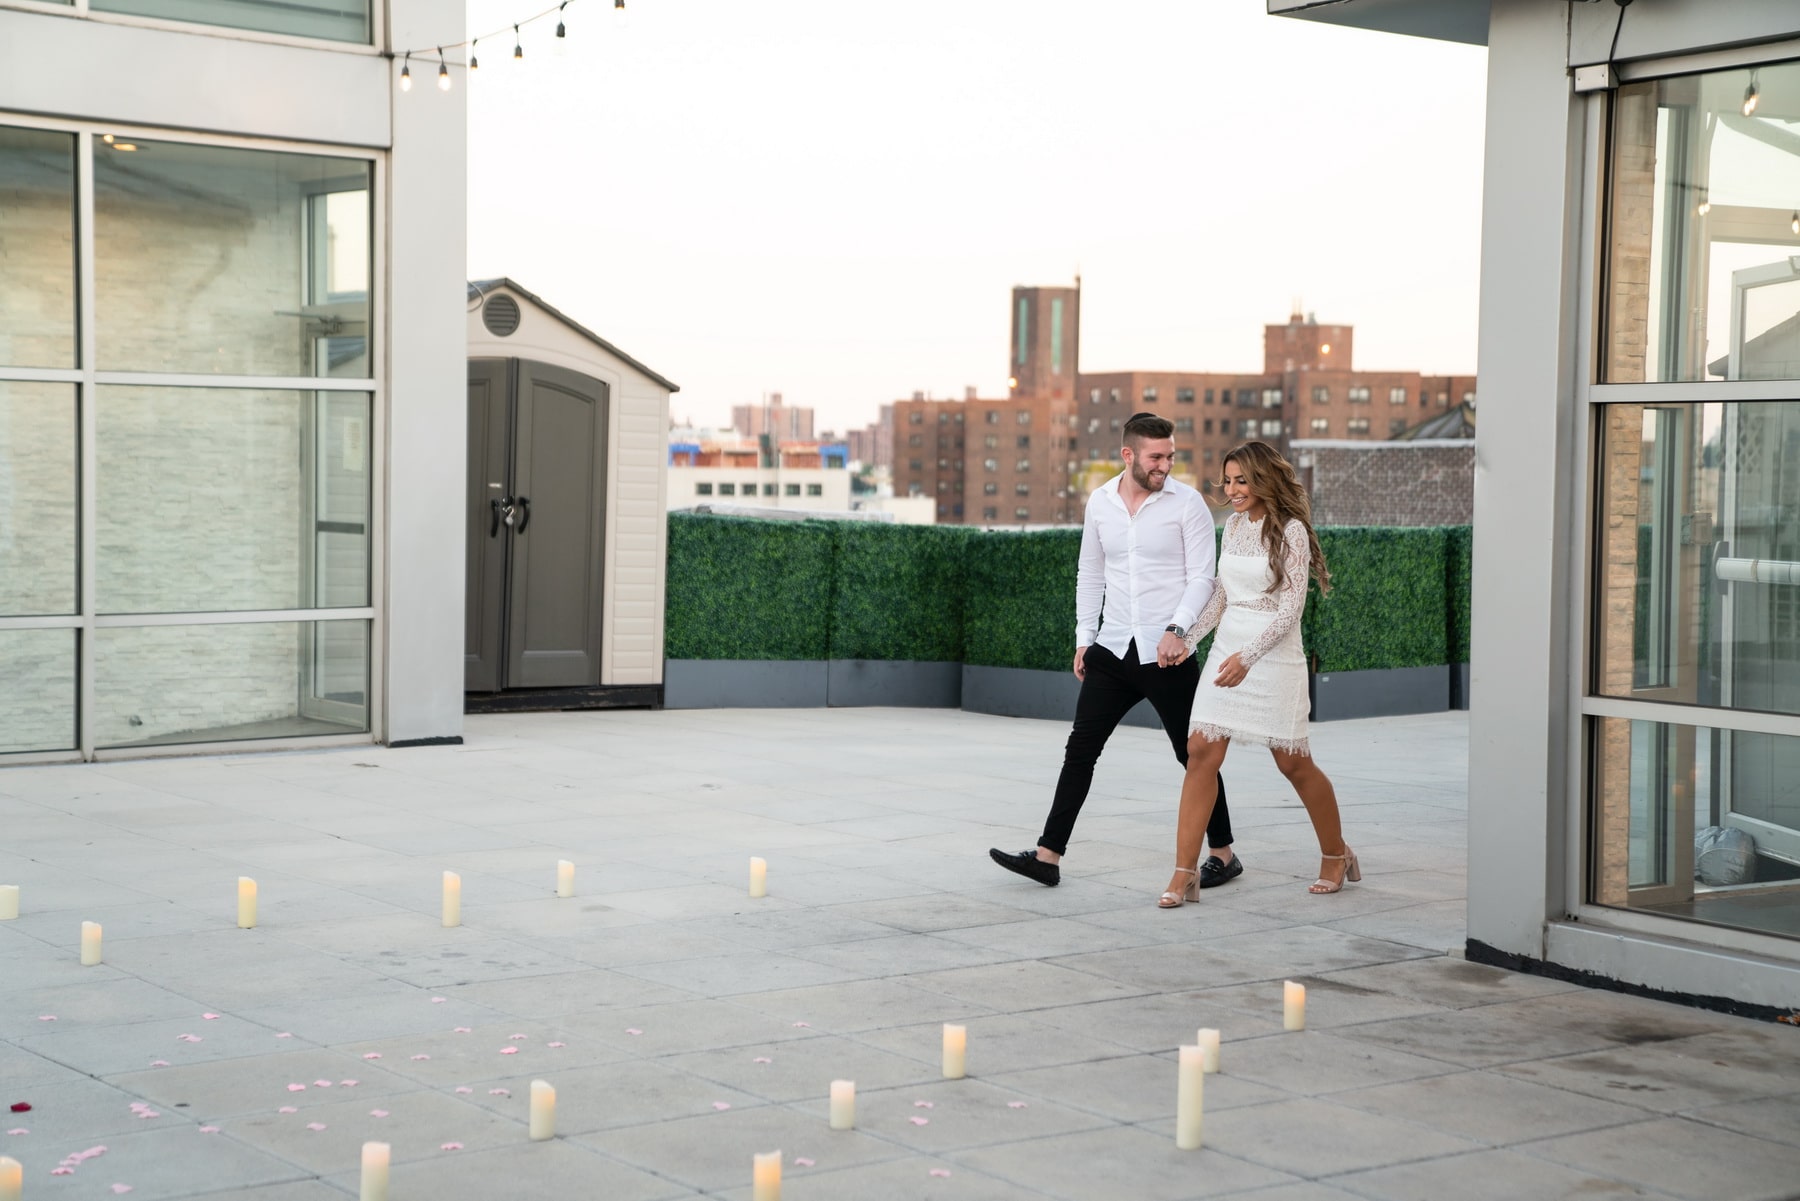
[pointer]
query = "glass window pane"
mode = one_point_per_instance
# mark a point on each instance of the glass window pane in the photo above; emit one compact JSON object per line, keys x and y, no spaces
{"x":37,"y":705}
{"x":38,"y":472}
{"x":157,"y":685}
{"x":1699,"y":590}
{"x":338,"y":20}
{"x":1704,"y":228}
{"x":226,"y":500}
{"x":37,"y":248}
{"x":225,"y":261}
{"x":1698,"y":823}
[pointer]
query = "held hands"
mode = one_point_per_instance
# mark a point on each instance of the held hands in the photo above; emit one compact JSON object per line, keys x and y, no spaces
{"x":1231,"y":673}
{"x":1171,"y":650}
{"x":1080,"y":663}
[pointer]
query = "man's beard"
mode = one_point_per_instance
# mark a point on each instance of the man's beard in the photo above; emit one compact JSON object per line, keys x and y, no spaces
{"x":1144,"y":480}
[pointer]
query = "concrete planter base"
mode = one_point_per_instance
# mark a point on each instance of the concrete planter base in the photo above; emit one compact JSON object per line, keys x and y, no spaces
{"x":1018,"y":692}
{"x":809,"y":684}
{"x":1386,"y":692}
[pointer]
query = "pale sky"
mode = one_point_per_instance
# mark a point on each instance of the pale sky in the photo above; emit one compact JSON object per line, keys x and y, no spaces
{"x":831,"y":199}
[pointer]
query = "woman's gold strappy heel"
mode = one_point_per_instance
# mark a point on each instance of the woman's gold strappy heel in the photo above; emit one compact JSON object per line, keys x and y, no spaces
{"x":1174,"y":900}
{"x":1352,"y":873}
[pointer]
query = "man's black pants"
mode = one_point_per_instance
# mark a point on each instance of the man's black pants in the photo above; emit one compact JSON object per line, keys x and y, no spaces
{"x":1111,"y":687}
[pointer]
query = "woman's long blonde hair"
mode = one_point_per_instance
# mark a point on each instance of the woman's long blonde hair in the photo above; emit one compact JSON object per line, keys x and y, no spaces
{"x":1272,"y":480}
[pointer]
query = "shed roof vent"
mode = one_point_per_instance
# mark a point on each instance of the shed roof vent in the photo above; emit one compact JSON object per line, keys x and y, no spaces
{"x":500,"y":313}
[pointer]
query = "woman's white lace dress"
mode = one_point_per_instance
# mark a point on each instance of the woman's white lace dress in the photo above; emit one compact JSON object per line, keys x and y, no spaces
{"x":1262,"y":628}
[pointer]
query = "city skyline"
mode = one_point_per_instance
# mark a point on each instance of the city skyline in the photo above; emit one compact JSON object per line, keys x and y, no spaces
{"x":833,"y":204}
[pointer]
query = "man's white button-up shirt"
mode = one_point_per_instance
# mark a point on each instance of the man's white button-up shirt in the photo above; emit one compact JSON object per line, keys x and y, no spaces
{"x":1147,"y":572}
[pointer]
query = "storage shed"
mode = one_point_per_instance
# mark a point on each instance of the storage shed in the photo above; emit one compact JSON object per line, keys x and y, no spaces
{"x":566,"y":535}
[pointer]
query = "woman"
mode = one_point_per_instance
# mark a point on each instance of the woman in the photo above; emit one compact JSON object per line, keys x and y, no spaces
{"x":1253,"y":687}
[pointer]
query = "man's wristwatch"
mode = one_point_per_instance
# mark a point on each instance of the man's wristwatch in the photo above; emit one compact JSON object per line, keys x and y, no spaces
{"x":1175,"y":630}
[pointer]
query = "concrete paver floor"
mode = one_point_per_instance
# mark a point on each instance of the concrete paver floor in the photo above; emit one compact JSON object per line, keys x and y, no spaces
{"x":687,"y":1026}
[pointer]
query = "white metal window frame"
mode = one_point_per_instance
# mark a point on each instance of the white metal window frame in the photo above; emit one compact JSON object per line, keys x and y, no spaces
{"x":1584,"y":703}
{"x":85,"y":378}
{"x":80,"y":10}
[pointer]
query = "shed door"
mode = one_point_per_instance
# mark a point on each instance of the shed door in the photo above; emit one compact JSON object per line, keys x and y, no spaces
{"x":487,"y":535}
{"x":559,"y":491}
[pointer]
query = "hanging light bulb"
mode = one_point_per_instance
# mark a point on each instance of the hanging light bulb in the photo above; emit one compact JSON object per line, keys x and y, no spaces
{"x":474,"y":63}
{"x":560,"y":46}
{"x":619,"y":7}
{"x":560,"y":31}
{"x":443,"y":72}
{"x":406,"y":73}
{"x":1705,"y":205}
{"x":518,"y":46}
{"x":1794,"y":224}
{"x":1751,"y":95}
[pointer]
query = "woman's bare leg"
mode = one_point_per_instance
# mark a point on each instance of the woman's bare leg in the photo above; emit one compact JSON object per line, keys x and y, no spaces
{"x":1320,"y":799}
{"x":1199,"y":793}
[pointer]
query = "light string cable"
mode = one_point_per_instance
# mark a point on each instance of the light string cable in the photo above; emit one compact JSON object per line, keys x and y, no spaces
{"x":405,"y":56}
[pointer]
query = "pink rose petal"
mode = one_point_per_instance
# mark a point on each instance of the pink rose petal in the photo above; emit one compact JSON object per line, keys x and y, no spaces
{"x":284,"y":1034}
{"x":920,"y":1121}
{"x":418,"y":1058}
{"x":802,"y":1025}
{"x":762,"y":1059}
{"x":209,"y":1130}
{"x":940,"y":1171}
{"x":439,"y":1000}
{"x":378,"y":1113}
{"x":517,"y":1037}
{"x":62,"y":1171}
{"x":296,"y":1088}
{"x":148,"y":1113}
{"x":321,"y":1084}
{"x":924,"y":1104}
{"x":187,"y":1038}
{"x":509,"y":1050}
{"x":315,"y":1125}
{"x":462,"y":1030}
{"x":450,"y":1147}
{"x":159,"y":1063}
{"x":348,"y":1083}
{"x":121,"y":1189}
{"x":721,"y":1105}
{"x":633,"y":1030}
{"x":46,"y":1017}
{"x":18,"y":1130}
{"x":209,"y":1017}
{"x":800,"y":1161}
{"x":1016,"y":1105}
{"x":372,"y":1055}
{"x":556,"y":1044}
{"x":463,"y":1088}
{"x":499,"y":1092}
{"x":287,"y":1109}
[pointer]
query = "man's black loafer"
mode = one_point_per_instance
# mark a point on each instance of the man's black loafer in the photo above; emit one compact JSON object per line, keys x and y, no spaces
{"x":1214,"y":873}
{"x":1026,"y":863}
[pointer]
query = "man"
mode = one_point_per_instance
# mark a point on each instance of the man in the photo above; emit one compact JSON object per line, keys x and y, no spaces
{"x":1147,"y":559}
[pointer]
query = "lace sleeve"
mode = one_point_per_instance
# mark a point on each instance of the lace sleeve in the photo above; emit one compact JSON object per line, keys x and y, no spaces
{"x":1209,"y":617}
{"x":1296,"y":562}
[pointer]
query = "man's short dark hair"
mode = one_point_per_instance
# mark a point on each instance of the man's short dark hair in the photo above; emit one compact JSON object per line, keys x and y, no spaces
{"x":1148,"y":425}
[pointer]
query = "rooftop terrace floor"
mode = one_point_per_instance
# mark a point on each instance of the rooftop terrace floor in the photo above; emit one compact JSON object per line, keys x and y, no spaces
{"x":687,"y":1027}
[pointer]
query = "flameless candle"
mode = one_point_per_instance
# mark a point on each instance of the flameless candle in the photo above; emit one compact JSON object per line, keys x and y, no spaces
{"x":565,"y":878}
{"x":246,"y":903}
{"x":759,"y":877}
{"x":452,"y":899}
{"x":843,"y":1104}
{"x":9,"y":902}
{"x":765,"y":1177}
{"x":374,"y":1172}
{"x":1293,"y":1006}
{"x":543,"y":1111}
{"x":956,"y":1045}
{"x":1209,"y":1044}
{"x":12,"y":1179}
{"x":90,"y":943}
{"x":1190,"y":1082}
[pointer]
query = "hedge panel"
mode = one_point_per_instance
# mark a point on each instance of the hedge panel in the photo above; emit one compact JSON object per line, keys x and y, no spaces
{"x":899,"y":592}
{"x":1020,"y":610}
{"x":1388,"y":602}
{"x":739,"y":588}
{"x":1459,"y":561}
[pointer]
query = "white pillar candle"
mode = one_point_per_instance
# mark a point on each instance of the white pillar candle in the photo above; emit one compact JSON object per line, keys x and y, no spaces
{"x":9,"y":902}
{"x":843,"y":1104}
{"x":1189,"y":1089}
{"x":246,"y":903}
{"x":1293,"y":1006}
{"x":956,"y":1046}
{"x":759,"y":877}
{"x":765,"y":1177}
{"x":452,"y":899}
{"x":374,"y":1172}
{"x":543,"y":1111}
{"x":90,"y":943}
{"x":12,"y":1179}
{"x":565,"y":878}
{"x":1209,"y":1045}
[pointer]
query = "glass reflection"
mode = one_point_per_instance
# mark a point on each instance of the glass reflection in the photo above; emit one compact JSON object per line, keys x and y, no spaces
{"x":1703,"y":271}
{"x":37,"y":706}
{"x":37,"y":248}
{"x":215,"y":260}
{"x":38,"y":474}
{"x":337,"y":20}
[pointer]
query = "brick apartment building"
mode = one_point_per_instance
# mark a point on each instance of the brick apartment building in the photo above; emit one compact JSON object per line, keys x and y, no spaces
{"x":1021,"y":458}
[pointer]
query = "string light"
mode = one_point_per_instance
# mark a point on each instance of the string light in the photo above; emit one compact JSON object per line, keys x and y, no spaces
{"x":1795,"y":223}
{"x":406,"y":73}
{"x":1705,"y":205}
{"x":518,"y":46}
{"x":1751,"y":95}
{"x":443,"y":72}
{"x":444,"y":81}
{"x":474,"y":63}
{"x":560,"y":31}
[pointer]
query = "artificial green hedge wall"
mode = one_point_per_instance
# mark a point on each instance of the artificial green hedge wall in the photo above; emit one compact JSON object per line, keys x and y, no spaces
{"x":749,"y":589}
